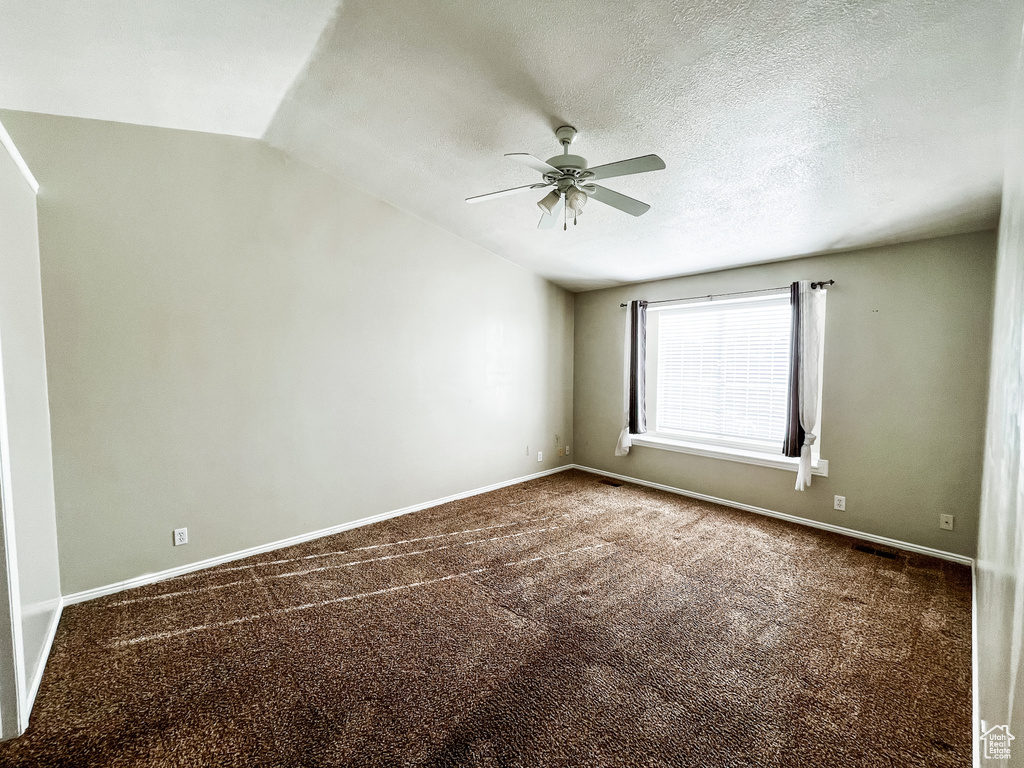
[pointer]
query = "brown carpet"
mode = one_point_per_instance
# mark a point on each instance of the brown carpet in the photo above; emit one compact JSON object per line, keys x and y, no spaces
{"x":562,"y":622}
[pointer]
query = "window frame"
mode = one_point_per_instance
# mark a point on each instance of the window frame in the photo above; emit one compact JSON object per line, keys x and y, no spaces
{"x":748,"y":452}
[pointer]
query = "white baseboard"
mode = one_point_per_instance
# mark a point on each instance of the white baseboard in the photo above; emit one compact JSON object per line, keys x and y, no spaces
{"x":151,"y":578}
{"x":904,"y":545}
{"x":33,"y":685}
{"x":170,"y":573}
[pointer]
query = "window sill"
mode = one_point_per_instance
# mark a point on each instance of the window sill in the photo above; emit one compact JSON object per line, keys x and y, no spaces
{"x":729,"y":454}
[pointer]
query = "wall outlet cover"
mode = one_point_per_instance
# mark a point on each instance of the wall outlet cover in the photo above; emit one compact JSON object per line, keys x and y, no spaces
{"x":180,"y":536}
{"x":840,"y":503}
{"x":946,"y":522}
{"x":540,"y":455}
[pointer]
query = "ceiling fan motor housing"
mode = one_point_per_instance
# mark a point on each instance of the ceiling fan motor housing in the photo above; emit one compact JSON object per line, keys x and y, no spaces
{"x":572,"y":169}
{"x":568,"y":163}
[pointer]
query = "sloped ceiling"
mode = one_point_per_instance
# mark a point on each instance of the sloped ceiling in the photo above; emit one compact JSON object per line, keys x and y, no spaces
{"x":787,"y":127}
{"x":220,"y":66}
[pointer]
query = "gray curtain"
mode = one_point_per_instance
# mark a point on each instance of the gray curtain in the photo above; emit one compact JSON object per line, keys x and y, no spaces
{"x":794,"y":432}
{"x":637,"y":367}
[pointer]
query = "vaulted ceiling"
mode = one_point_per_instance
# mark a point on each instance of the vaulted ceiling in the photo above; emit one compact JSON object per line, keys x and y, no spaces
{"x":788,"y":128}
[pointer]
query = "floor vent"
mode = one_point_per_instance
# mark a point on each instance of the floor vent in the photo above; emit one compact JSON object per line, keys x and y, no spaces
{"x":873,"y":551}
{"x":612,"y":483}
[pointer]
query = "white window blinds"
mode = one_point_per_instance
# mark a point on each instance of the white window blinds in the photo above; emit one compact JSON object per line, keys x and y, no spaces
{"x":723,"y":371}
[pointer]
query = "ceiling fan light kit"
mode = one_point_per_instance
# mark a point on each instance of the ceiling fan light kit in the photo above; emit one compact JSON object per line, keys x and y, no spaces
{"x":576,"y":198}
{"x":548,"y":203}
{"x":571,"y":179}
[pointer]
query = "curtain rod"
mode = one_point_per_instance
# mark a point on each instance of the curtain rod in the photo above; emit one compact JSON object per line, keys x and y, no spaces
{"x":713,"y":296}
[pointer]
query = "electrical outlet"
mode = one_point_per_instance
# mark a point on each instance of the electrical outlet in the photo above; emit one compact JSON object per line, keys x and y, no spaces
{"x":180,"y":536}
{"x":840,"y":503}
{"x":561,"y":451}
{"x":540,"y":455}
{"x":567,"y":450}
{"x":946,"y":522}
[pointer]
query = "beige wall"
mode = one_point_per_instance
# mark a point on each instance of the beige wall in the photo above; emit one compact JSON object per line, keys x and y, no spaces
{"x":1000,"y":572}
{"x":906,"y":365}
{"x":27,"y":417}
{"x":243,"y":345}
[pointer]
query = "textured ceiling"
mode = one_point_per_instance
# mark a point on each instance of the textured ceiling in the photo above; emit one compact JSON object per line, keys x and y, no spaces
{"x":788,"y":127}
{"x":198,"y":65}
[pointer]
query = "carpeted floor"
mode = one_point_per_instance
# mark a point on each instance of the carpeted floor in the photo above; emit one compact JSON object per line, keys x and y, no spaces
{"x":561,"y":622}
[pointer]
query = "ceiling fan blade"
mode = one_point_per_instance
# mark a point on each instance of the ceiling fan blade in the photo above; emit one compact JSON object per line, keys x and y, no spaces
{"x":615,"y":200}
{"x":505,"y":192}
{"x":532,"y":162}
{"x":627,"y":167}
{"x":547,"y":220}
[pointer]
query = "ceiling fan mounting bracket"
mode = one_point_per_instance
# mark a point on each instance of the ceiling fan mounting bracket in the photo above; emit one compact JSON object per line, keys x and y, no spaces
{"x":567,"y":165}
{"x":566,"y":135}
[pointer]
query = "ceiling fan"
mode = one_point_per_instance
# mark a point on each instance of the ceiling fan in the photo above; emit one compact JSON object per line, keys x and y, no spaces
{"x":572,"y":181}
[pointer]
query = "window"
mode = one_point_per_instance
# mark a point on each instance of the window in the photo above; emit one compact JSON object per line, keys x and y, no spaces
{"x":718,"y":378}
